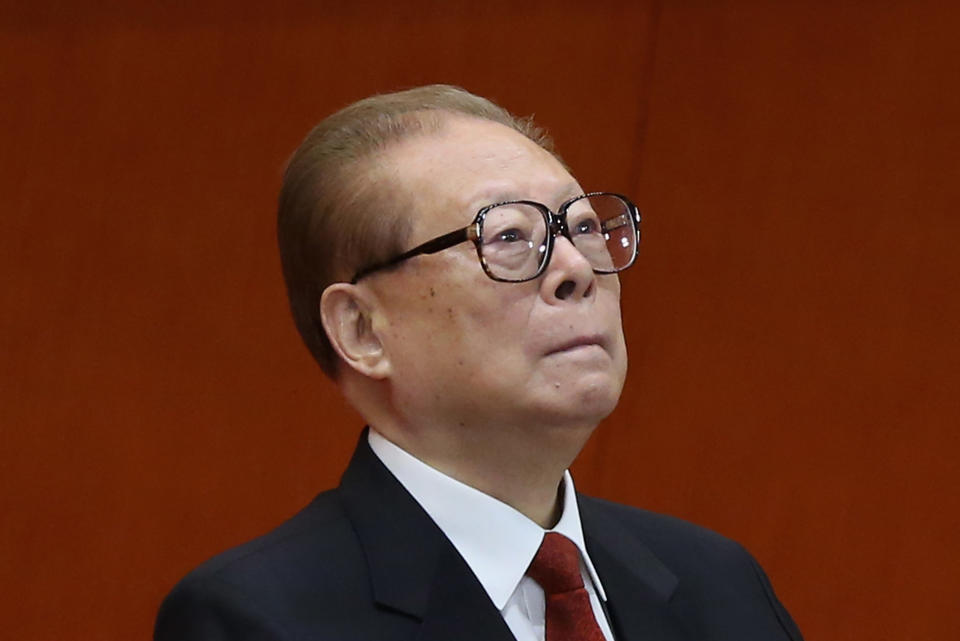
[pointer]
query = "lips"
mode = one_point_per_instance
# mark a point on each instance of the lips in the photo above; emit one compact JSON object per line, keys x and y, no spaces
{"x":580,"y":341}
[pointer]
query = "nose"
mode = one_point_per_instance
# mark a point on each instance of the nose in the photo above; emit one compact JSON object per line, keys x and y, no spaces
{"x":569,"y":276}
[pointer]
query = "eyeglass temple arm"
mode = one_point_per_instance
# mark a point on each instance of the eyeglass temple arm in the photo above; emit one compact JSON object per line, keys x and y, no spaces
{"x":624,"y":219}
{"x":430,"y":247}
{"x":616,"y":223}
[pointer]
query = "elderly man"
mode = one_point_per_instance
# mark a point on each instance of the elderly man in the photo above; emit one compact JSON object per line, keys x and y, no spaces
{"x":460,"y":286}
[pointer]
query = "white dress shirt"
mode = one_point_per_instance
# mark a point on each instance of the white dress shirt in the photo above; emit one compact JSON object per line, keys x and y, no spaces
{"x":496,"y":541}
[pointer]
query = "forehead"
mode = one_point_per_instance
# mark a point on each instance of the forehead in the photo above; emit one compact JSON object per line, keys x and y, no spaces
{"x":469,"y":163}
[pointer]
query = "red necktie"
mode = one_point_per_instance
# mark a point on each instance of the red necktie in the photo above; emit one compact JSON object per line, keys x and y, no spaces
{"x":556,"y":567}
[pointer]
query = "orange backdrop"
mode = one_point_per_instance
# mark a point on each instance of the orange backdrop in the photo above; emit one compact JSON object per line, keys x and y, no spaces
{"x":792,"y":320}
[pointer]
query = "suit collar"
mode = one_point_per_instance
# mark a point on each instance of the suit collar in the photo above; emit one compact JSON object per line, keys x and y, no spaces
{"x":413,"y":567}
{"x":635,"y":561}
{"x":639,"y":586}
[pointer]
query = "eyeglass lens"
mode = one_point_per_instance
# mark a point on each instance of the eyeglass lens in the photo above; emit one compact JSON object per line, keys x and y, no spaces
{"x":514,"y":236}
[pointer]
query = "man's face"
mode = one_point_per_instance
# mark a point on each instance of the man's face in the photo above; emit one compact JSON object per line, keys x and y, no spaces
{"x":471,"y":352}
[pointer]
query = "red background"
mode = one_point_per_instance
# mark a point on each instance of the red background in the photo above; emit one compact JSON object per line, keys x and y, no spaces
{"x":792,"y":320}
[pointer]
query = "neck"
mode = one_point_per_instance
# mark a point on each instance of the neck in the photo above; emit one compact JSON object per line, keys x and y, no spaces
{"x":518,"y":462}
{"x":519,"y":466}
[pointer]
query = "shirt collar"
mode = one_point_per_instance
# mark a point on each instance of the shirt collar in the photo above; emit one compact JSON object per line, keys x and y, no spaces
{"x":496,"y":541}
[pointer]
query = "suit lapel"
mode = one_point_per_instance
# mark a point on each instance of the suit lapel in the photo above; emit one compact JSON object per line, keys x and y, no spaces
{"x":637,"y":584}
{"x":414,"y":569}
{"x":459,"y":606}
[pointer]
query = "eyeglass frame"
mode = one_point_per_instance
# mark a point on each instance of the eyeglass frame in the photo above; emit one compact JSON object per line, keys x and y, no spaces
{"x":556,"y":225}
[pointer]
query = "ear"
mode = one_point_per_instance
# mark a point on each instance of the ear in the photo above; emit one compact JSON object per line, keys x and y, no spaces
{"x":347,"y":314}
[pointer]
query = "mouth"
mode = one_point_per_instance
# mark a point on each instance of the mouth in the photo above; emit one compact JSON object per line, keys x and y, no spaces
{"x":580,"y":342}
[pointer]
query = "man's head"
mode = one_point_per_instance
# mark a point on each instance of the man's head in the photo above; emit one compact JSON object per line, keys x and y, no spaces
{"x":339,"y":211}
{"x":443,"y":346}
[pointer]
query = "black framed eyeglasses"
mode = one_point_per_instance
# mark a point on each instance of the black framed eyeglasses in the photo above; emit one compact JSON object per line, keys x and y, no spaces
{"x":515,"y":239}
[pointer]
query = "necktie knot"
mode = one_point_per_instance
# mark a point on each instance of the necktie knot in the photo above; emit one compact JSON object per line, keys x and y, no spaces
{"x":569,"y":615}
{"x":556,"y":567}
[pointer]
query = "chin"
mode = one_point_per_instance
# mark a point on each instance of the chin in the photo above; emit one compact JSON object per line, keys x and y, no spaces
{"x":584,"y":402}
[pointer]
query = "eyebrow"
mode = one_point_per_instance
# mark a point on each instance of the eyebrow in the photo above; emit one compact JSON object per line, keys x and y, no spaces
{"x":499,"y":195}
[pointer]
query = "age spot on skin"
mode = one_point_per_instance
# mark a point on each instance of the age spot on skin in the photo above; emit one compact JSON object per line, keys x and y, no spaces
{"x":432,"y":293}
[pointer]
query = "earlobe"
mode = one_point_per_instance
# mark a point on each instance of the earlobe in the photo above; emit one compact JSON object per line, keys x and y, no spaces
{"x":347,"y":315}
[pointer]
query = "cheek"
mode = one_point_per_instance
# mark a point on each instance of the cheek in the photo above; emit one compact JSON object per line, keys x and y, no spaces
{"x":451,"y":314}
{"x":487,"y":333}
{"x":430,"y":321}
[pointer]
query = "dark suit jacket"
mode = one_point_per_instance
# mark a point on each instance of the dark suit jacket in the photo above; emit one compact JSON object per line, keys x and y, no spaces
{"x":364,"y":562}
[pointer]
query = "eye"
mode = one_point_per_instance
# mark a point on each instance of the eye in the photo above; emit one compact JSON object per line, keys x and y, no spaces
{"x":587,"y":226}
{"x":510,"y":236}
